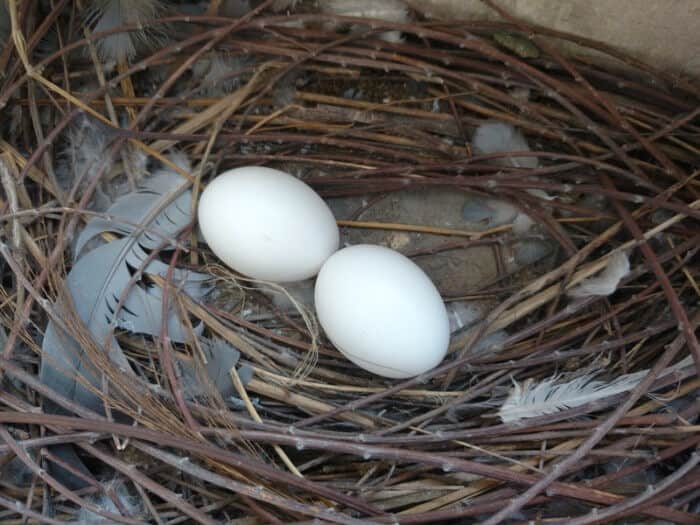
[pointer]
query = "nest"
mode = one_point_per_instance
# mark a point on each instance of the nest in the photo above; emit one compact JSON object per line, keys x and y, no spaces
{"x":602,"y":383}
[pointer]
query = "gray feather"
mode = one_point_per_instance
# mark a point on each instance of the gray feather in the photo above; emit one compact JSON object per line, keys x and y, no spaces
{"x":221,"y":358}
{"x":107,"y":15}
{"x":64,"y":367}
{"x":101,"y":277}
{"x":143,"y":207}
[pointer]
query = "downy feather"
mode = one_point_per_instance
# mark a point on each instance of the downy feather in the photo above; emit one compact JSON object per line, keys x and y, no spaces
{"x":530,"y":399}
{"x":463,"y":313}
{"x":529,"y":251}
{"x":500,"y":137}
{"x":87,"y":156}
{"x":219,"y":74}
{"x":106,"y":15}
{"x":522,"y":225}
{"x":126,"y":505}
{"x":607,"y":281}
{"x":490,"y":212}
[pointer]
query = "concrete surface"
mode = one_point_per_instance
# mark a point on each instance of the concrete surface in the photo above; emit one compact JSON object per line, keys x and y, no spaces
{"x":664,"y":33}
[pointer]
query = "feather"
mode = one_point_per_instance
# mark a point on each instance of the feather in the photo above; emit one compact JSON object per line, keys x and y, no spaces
{"x":292,"y":296}
{"x":126,"y":504}
{"x":607,"y":281}
{"x":491,"y":212}
{"x":157,"y":212}
{"x":536,"y":192}
{"x":67,"y":454}
{"x":499,"y":137}
{"x":100,"y":277}
{"x":87,"y":156}
{"x":220,"y":74}
{"x":221,"y":358}
{"x":531,"y":399}
{"x":106,"y":15}
{"x":529,"y":251}
{"x":388,"y":10}
{"x":160,"y":206}
{"x":494,"y":212}
{"x":463,"y":313}
{"x":490,"y":343}
{"x":16,"y":473}
{"x":522,"y":225}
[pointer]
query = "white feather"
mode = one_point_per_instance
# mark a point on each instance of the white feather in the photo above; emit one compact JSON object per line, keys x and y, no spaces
{"x":106,"y":15}
{"x":536,"y":192}
{"x":606,"y":282}
{"x":530,"y":399}
{"x":500,"y":137}
{"x":487,"y":344}
{"x":491,"y":343}
{"x":522,"y":225}
{"x":388,"y":10}
{"x":463,"y":313}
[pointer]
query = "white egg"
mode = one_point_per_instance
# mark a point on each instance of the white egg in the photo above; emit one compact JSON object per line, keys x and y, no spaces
{"x":382,"y":311}
{"x":267,"y":224}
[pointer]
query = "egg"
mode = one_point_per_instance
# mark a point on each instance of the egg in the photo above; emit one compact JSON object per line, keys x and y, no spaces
{"x":267,"y":224}
{"x":382,"y":311}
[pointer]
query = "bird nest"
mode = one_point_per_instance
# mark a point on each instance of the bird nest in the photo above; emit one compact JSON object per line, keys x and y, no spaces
{"x":143,"y":381}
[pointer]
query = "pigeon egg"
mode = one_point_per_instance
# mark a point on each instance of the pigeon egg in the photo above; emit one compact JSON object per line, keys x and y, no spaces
{"x":382,"y":311}
{"x":267,"y":224}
